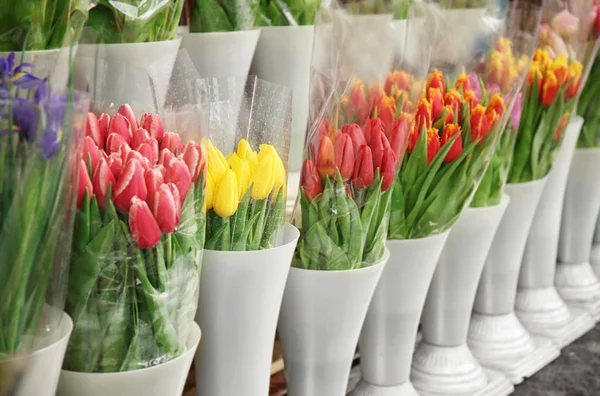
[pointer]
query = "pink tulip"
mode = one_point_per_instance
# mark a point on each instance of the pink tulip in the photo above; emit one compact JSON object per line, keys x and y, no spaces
{"x":140,"y":136}
{"x":114,"y":142}
{"x":475,"y":86}
{"x":142,"y":224}
{"x":179,"y":174}
{"x":171,"y":141}
{"x":103,"y":178}
{"x":103,"y":122}
{"x":565,"y":24}
{"x":115,"y":163}
{"x":130,"y":184}
{"x":166,"y":208}
{"x":154,"y":178}
{"x":127,"y":112}
{"x":85,"y":184}
{"x":138,"y":156}
{"x":90,"y":152}
{"x":195,"y":158}
{"x":165,"y":157}
{"x":120,"y":125}
{"x":92,"y":129}
{"x":153,"y":124}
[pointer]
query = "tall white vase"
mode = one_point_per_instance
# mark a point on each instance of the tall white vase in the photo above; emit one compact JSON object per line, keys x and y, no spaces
{"x":496,"y":337}
{"x":283,"y":56}
{"x":387,"y":340}
{"x":53,"y":64}
{"x":538,"y":306}
{"x":575,"y":279}
{"x":221,"y":54}
{"x":319,"y":325}
{"x":240,"y":298}
{"x":442,"y":363}
{"x":132,"y":73}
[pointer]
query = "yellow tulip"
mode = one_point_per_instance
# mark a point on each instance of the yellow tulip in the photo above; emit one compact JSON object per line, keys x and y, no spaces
{"x":217,"y":164}
{"x":242,"y":171}
{"x":243,"y":149}
{"x":209,"y":192}
{"x":252,"y":158}
{"x":279,"y":169}
{"x":226,"y":197}
{"x":263,"y":176}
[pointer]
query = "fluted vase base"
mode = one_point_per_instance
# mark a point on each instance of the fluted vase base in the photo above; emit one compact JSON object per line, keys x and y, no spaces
{"x":542,"y":312}
{"x":454,"y":371}
{"x":579,"y":287}
{"x":501,"y":343}
{"x":363,"y":388}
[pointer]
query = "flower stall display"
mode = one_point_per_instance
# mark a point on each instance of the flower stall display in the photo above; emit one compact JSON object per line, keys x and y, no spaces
{"x":539,"y":307}
{"x":42,"y":127}
{"x":549,"y":95}
{"x":249,"y":248}
{"x":134,"y":270}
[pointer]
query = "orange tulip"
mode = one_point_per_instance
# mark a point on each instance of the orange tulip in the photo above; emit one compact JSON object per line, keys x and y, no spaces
{"x":436,"y":80}
{"x":434,"y":96}
{"x":433,"y":144}
{"x":497,"y":105}
{"x":386,"y":111}
{"x":560,"y":68}
{"x":479,"y":123}
{"x":575,"y":69}
{"x":549,"y":88}
{"x":423,"y":116}
{"x":453,"y":99}
{"x":471,"y":99}
{"x":462,"y":82}
{"x":326,"y":157}
{"x":449,"y":131}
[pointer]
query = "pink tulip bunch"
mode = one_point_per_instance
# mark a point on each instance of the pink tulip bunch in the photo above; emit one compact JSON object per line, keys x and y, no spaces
{"x":144,"y":170}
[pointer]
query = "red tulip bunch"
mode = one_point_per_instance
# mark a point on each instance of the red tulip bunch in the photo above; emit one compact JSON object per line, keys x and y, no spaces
{"x":139,"y":234}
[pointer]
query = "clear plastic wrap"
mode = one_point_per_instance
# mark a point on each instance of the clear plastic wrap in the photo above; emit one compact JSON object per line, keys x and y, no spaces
{"x":134,"y":21}
{"x":287,"y":12}
{"x":557,"y":73}
{"x":41,"y":129}
{"x":458,"y":123}
{"x":589,"y":101}
{"x":139,"y":234}
{"x":222,"y":15}
{"x":248,"y":123}
{"x":398,"y":7}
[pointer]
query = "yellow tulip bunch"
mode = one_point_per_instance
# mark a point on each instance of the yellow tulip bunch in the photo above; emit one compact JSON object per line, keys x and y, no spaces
{"x":245,"y":197}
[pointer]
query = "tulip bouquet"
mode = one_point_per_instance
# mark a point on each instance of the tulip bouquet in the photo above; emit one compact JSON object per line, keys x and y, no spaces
{"x":588,"y":107}
{"x":139,"y":235}
{"x":40,"y":130}
{"x":400,"y":7}
{"x":222,"y":15}
{"x":286,"y":12}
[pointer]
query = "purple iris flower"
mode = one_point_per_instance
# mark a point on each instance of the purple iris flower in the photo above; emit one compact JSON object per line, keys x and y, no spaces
{"x":25,"y":118}
{"x":17,"y":76}
{"x":54,"y":108}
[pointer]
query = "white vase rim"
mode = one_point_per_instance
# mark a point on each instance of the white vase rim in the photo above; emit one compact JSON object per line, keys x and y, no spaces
{"x":528,"y":184}
{"x":384,"y":259}
{"x":298,"y":28}
{"x":253,"y":31}
{"x":145,"y":43}
{"x":431,"y":236}
{"x":587,"y":151}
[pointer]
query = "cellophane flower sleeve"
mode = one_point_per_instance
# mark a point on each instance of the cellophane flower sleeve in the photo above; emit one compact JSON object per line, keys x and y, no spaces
{"x":287,"y":12}
{"x":208,"y":16}
{"x":589,"y":102}
{"x":356,"y":139}
{"x":457,"y":124}
{"x":399,"y":8}
{"x":139,"y":233}
{"x":552,"y":87}
{"x":248,"y":125}
{"x":503,"y":71}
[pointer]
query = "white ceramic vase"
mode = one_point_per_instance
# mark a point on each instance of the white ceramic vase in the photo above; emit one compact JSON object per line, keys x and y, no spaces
{"x":283,"y":56}
{"x":575,"y":279}
{"x":133,"y":73}
{"x":496,"y":337}
{"x":320,"y":321}
{"x":442,"y":363}
{"x":165,"y":379}
{"x":595,"y":255}
{"x":221,"y":54}
{"x":53,"y":64}
{"x":240,"y":299}
{"x":538,"y":305}
{"x":43,"y":365}
{"x":388,"y":337}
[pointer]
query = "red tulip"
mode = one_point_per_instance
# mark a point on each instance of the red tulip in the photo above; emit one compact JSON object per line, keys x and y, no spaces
{"x":326,"y":157}
{"x":150,"y":151}
{"x":463,"y":82}
{"x":379,"y":143}
{"x":138,"y":156}
{"x":165,"y":157}
{"x":356,"y":134}
{"x":449,"y":115}
{"x":433,"y":144}
{"x":436,"y":80}
{"x":179,"y":174}
{"x":175,"y":193}
{"x":115,"y":163}
{"x":140,"y":136}
{"x":434,"y":96}
{"x":127,"y":112}
{"x":479,"y":123}
{"x":130,"y":184}
{"x":103,"y":178}
{"x":471,"y":99}
{"x":92,"y":129}
{"x":114,"y":143}
{"x":143,"y":225}
{"x":453,"y":99}
{"x":413,"y":136}
{"x":85,"y":184}
{"x":423,"y":117}
{"x":310,"y":181}
{"x":373,"y":125}
{"x":397,"y":81}
{"x":103,"y":123}
{"x":153,"y":178}
{"x":344,"y":156}
{"x":375,"y":94}
{"x":165,"y":208}
{"x":449,"y":131}
{"x":388,"y":169}
{"x":171,"y":141}
{"x":549,"y":88}
{"x":90,"y":152}
{"x":195,"y":159}
{"x":399,"y":134}
{"x":357,"y":108}
{"x":153,"y":124}
{"x":121,"y":126}
{"x":363,"y":168}
{"x":386,"y":112}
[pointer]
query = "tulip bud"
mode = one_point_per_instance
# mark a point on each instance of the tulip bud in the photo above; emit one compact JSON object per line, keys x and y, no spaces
{"x":217,"y":164}
{"x":195,"y":159}
{"x":143,"y":225}
{"x":124,"y":150}
{"x":226,"y":195}
{"x":242,"y":172}
{"x":171,"y":141}
{"x":413,"y":137}
{"x":127,"y":112}
{"x":559,"y":66}
{"x":140,"y":136}
{"x":149,"y":151}
{"x":575,"y":69}
{"x":115,"y":163}
{"x":138,"y":156}
{"x":433,"y":144}
{"x":165,"y":157}
{"x":386,"y":112}
{"x":209,"y":192}
{"x":153,"y":124}
{"x":90,"y":152}
{"x":103,"y":123}
{"x":103,"y":178}
{"x":114,"y":142}
{"x":363,"y":168}
{"x":179,"y":174}
{"x":310,"y":181}
{"x":434,"y":96}
{"x":84,"y":184}
{"x":399,"y":135}
{"x":471,"y":99}
{"x":263,"y":177}
{"x":372,"y":126}
{"x":549,"y":88}
{"x":166,"y":205}
{"x":357,"y":108}
{"x":423,"y":117}
{"x":453,"y":99}
{"x":153,"y":178}
{"x":448,"y":114}
{"x":397,"y":81}
{"x":462,"y":83}
{"x":479,"y":123}
{"x":535,"y":74}
{"x":379,"y":143}
{"x":130,"y":184}
{"x":497,"y":105}
{"x":278,"y":167}
{"x":344,"y":156}
{"x":376,"y":93}
{"x":356,"y":134}
{"x":388,"y":169}
{"x":243,"y":149}
{"x":120,"y":125}
{"x":326,"y":157}
{"x":449,"y":131}
{"x":436,"y":80}
{"x":92,"y":129}
{"x":561,"y":127}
